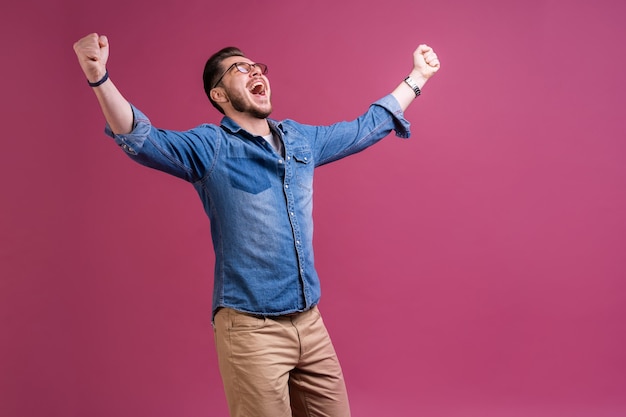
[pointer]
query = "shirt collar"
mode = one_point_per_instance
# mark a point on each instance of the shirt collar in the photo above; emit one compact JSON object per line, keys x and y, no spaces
{"x":231,"y":126}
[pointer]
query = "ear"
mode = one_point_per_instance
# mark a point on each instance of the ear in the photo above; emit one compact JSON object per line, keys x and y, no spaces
{"x":218,"y":94}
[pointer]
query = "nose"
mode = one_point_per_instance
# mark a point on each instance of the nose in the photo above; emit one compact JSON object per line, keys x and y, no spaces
{"x":255,"y":71}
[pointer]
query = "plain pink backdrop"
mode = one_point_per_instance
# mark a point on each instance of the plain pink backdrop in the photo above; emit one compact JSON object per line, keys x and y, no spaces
{"x":477,"y":269}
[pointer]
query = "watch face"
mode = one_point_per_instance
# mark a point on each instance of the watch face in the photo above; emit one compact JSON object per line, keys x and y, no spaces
{"x":413,"y":85}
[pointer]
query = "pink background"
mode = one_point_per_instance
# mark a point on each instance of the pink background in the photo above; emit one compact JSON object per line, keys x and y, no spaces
{"x":475,"y":270}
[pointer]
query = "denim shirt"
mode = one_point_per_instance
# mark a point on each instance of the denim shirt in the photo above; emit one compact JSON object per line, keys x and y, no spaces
{"x":259,"y":203}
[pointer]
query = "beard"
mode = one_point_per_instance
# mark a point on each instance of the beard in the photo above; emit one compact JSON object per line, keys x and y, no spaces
{"x":242,"y":105}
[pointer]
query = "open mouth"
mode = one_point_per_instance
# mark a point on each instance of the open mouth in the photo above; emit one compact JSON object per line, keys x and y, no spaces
{"x":257,"y":88}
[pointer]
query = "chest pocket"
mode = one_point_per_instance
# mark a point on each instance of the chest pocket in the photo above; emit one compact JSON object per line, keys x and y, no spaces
{"x":304,"y":167}
{"x":249,"y":173}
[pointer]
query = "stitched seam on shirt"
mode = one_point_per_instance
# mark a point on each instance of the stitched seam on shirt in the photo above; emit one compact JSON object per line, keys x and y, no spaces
{"x":170,"y":157}
{"x":217,"y":223}
{"x":218,"y":147}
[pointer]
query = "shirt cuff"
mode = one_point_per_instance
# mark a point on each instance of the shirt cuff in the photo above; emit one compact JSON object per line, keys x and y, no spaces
{"x":400,"y":124}
{"x":132,"y":142}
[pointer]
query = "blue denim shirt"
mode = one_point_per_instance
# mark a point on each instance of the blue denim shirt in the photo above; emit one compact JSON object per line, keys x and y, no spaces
{"x":259,"y":203}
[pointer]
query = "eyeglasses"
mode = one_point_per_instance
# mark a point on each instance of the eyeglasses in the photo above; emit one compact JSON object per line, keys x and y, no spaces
{"x":244,"y":68}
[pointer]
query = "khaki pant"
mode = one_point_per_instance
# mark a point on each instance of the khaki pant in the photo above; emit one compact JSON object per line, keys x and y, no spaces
{"x":279,"y":367}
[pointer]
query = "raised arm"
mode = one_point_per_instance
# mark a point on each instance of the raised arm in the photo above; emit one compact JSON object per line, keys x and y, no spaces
{"x":425,"y":65}
{"x":93,"y":52}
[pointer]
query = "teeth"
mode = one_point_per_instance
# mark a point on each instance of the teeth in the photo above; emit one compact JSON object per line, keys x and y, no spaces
{"x":256,"y":88}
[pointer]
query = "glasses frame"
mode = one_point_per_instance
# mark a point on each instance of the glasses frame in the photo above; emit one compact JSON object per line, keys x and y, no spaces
{"x":245,"y":68}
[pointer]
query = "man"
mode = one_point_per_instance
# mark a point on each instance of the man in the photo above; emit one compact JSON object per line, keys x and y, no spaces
{"x":254,"y":176}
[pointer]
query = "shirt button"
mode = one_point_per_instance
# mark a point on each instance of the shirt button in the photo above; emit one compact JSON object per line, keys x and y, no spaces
{"x":288,"y":158}
{"x":291,"y":213}
{"x":286,"y":185}
{"x":280,"y":161}
{"x":128,"y":149}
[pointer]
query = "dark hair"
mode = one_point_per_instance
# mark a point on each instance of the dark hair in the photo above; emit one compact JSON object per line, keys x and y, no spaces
{"x":213,"y":69}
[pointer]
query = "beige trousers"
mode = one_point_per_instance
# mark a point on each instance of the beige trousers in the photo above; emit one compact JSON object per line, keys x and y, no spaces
{"x":279,"y":366}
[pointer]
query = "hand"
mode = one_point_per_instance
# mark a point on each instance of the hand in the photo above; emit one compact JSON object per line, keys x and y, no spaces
{"x":93,"y":52}
{"x":425,"y":62}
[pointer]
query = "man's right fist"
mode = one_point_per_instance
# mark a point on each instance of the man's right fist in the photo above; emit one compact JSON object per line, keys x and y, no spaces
{"x":93,"y":52}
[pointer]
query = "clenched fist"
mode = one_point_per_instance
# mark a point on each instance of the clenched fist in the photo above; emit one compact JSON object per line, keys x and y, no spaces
{"x":93,"y":52}
{"x":425,"y":61}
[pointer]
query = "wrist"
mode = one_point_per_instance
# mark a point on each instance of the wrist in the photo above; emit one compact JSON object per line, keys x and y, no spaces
{"x":419,"y":79}
{"x":413,"y":85}
{"x":99,"y":81}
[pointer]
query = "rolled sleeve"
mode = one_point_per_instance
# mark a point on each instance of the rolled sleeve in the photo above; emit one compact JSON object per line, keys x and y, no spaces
{"x":401,"y":125}
{"x":132,"y":142}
